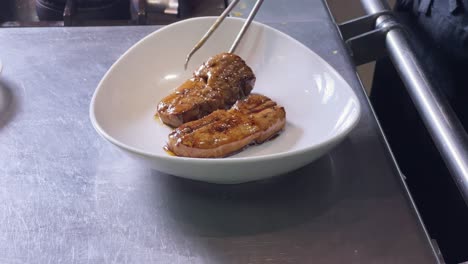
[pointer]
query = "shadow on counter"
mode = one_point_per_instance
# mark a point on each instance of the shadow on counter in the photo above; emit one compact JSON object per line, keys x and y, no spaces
{"x":213,"y":210}
{"x":8,"y":104}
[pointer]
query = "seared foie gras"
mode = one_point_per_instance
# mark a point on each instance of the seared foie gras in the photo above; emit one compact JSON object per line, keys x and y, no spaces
{"x":217,"y":84}
{"x":254,"y":119}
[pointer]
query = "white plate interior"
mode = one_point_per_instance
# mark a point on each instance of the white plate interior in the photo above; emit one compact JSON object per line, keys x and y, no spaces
{"x":320,"y":105}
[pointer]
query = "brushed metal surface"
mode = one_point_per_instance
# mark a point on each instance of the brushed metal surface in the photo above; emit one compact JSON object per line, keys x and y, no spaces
{"x":70,"y":197}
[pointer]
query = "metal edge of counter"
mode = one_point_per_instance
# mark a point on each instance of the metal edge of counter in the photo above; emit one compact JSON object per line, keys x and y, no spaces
{"x":385,"y":143}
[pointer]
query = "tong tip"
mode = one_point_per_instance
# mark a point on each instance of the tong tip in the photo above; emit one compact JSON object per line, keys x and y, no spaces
{"x":186,"y":62}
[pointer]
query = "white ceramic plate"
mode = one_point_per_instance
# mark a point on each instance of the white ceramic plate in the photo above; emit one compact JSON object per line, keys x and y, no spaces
{"x":321,"y":107}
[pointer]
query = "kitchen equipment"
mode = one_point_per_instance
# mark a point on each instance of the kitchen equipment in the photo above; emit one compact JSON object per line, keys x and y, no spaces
{"x":221,"y":18}
{"x":57,"y":13}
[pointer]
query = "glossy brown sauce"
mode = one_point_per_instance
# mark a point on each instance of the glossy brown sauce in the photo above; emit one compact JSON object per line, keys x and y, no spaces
{"x":251,"y":121}
{"x":217,"y":84}
{"x":156,"y":117}
{"x":168,"y":151}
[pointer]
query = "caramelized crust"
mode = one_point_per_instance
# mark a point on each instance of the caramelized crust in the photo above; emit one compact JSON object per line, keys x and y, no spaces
{"x":217,"y":84}
{"x":223,"y":132}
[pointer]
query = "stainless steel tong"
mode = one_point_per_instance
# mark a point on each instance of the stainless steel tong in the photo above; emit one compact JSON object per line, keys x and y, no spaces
{"x":219,"y":21}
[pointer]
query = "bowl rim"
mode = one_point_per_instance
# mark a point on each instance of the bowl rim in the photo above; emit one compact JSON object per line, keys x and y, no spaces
{"x":343,"y":133}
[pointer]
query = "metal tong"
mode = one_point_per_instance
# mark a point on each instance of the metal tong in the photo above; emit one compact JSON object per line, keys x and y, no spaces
{"x":219,"y":21}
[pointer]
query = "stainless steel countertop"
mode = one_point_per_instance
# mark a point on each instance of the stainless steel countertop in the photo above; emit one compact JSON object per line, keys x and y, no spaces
{"x":67,"y":196}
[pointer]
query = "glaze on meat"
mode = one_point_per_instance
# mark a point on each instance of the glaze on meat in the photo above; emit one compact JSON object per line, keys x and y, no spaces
{"x":254,"y":119}
{"x":217,"y":84}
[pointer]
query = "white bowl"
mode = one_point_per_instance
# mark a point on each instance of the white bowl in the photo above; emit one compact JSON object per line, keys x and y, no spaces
{"x":321,"y":107}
